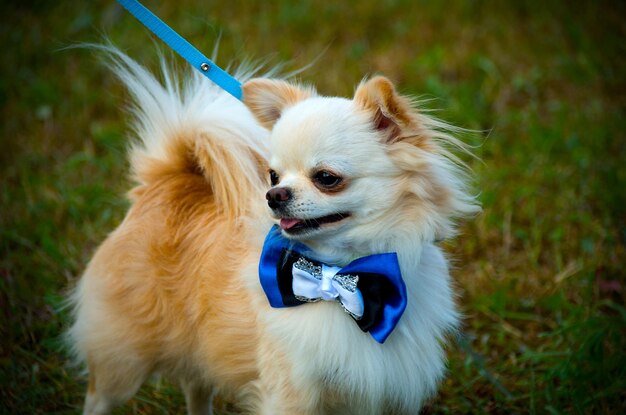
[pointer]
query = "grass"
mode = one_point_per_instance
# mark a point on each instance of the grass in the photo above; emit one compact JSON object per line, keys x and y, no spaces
{"x":540,"y":272}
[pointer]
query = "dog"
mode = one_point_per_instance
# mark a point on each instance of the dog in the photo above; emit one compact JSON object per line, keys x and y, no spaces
{"x":176,"y":288}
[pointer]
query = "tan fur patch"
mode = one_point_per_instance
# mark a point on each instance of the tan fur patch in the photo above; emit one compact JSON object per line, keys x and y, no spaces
{"x":162,"y":269}
{"x":267,"y":98}
{"x":91,"y":387}
{"x":390,"y":112}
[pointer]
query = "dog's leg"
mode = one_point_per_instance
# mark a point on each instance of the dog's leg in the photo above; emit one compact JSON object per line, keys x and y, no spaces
{"x":110,"y":386}
{"x":95,"y":403}
{"x":199,"y":398}
{"x":286,"y":401}
{"x":278,"y":393}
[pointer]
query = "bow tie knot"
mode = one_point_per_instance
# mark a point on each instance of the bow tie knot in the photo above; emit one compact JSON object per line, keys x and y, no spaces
{"x":313,"y":282}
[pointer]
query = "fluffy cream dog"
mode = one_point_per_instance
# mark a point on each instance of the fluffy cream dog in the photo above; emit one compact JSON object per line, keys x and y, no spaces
{"x":175,"y":288}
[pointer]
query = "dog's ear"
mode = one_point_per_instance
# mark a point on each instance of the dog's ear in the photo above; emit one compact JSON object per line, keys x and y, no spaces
{"x":391,"y":113}
{"x":267,"y":98}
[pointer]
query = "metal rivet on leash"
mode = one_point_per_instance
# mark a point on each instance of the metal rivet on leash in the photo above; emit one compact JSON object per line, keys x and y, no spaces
{"x":183,"y":48}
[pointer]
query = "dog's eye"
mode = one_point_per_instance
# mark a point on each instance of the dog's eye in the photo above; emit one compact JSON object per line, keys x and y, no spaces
{"x":326,"y":179}
{"x":274,"y":179}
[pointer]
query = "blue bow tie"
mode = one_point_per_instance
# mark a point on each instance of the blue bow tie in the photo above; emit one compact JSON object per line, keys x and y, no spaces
{"x":370,"y":288}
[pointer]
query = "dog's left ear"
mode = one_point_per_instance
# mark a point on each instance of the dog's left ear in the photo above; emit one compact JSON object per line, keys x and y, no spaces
{"x":391,"y":113}
{"x":268,"y":98}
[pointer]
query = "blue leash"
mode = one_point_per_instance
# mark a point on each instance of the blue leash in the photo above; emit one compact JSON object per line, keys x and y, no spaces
{"x":185,"y":49}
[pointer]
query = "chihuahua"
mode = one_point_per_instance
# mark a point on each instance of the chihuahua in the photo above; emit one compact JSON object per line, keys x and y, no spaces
{"x":280,"y":252}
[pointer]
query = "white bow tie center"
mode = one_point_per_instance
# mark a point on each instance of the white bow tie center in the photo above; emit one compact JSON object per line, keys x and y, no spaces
{"x":313,"y":282}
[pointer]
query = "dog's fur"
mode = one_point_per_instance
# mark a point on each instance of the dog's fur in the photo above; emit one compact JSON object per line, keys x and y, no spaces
{"x":174,"y":289}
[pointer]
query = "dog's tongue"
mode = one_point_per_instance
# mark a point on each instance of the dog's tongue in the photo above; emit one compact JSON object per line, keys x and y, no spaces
{"x":288,"y":223}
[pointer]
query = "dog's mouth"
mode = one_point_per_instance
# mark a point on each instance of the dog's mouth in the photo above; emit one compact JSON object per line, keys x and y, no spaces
{"x":295,"y":225}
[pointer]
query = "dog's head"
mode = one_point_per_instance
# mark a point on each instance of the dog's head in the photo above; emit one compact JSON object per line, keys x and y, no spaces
{"x":347,"y":172}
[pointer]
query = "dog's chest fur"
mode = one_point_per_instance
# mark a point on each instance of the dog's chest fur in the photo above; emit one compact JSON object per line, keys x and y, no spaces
{"x":326,"y":349}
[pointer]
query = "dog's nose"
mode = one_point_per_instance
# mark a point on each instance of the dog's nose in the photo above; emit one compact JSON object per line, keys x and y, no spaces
{"x":278,"y":196}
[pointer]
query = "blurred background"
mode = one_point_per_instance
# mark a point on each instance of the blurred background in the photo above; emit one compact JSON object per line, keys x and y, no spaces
{"x":540,"y":273}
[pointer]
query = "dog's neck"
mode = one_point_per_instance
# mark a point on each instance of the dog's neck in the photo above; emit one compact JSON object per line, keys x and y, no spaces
{"x":406,"y":242}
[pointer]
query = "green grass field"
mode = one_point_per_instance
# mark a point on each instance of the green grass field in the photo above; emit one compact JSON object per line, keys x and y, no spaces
{"x":539,"y":273}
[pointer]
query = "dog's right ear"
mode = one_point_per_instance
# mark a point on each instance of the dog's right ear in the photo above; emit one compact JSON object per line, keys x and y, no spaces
{"x":268,"y":98}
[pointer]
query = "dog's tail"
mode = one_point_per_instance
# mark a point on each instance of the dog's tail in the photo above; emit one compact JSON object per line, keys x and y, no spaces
{"x":189,"y":125}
